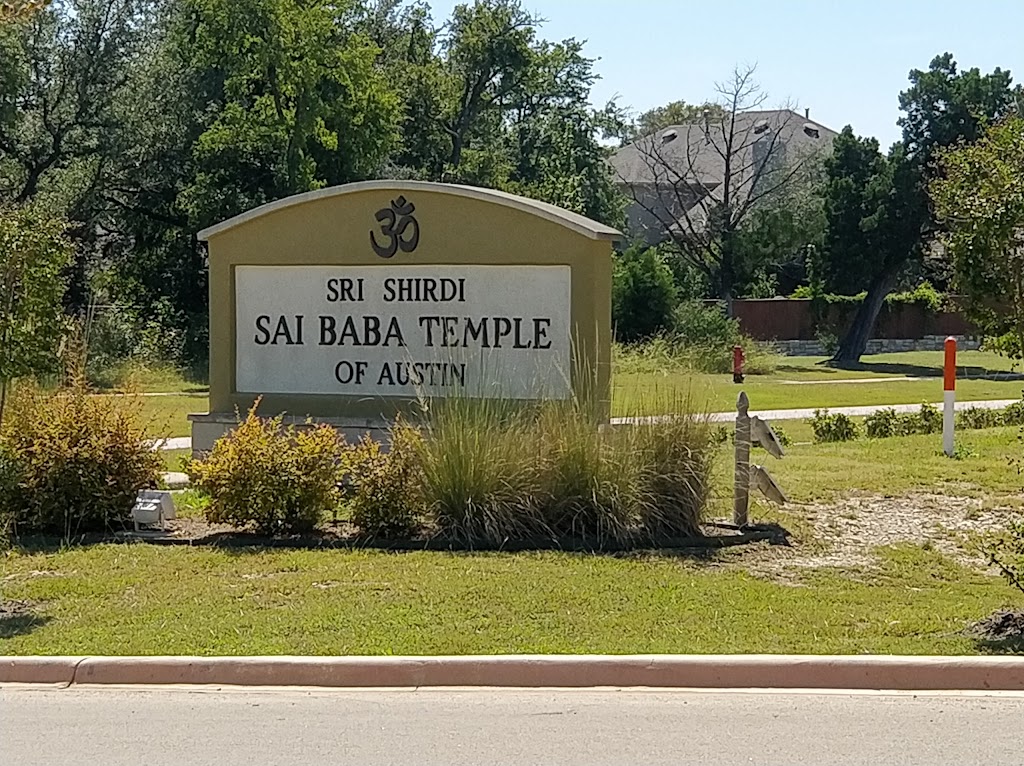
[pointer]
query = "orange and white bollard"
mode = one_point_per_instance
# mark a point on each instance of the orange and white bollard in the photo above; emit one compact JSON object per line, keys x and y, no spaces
{"x":949,"y":397}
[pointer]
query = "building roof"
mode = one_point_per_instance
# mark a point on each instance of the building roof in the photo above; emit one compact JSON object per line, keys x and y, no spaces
{"x":696,"y":151}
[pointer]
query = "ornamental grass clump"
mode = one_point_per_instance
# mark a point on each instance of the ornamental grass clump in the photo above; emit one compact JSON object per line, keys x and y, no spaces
{"x":495,"y":472}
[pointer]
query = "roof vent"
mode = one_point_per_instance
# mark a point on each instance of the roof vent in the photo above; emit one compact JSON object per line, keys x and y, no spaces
{"x":760,"y":126}
{"x":669,"y":135}
{"x":811,"y":130}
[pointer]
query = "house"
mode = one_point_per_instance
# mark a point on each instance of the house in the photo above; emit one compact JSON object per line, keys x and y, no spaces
{"x":678,"y":177}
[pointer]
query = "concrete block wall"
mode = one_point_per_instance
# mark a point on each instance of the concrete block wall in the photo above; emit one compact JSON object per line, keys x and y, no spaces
{"x":879,"y":345}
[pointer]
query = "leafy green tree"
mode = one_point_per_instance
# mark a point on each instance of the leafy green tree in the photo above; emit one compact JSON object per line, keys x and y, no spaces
{"x":673,"y":113}
{"x":888,"y":225}
{"x":61,"y":73}
{"x":979,"y":198}
{"x":33,"y":254}
{"x":644,"y":294}
{"x":300,"y":103}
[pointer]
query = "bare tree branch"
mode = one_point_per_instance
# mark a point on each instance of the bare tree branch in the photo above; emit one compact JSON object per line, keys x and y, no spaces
{"x":702,"y":184}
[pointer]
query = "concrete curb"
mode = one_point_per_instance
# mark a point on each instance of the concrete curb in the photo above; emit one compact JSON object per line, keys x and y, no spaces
{"x":526,"y":671}
{"x":38,"y":670}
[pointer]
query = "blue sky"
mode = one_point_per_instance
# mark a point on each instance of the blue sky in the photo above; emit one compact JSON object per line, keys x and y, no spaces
{"x":845,"y":59}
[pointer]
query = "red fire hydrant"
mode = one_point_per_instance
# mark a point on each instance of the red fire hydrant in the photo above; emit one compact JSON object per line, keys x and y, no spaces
{"x":737,"y":364}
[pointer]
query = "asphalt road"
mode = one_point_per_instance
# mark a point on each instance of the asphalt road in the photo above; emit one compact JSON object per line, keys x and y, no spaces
{"x":107,"y":727}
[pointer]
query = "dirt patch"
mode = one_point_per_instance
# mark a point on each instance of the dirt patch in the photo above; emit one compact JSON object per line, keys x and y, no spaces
{"x":846,"y":533}
{"x":14,"y":608}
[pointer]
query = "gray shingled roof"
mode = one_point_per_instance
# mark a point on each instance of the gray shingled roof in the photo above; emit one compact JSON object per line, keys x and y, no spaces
{"x":697,"y":155}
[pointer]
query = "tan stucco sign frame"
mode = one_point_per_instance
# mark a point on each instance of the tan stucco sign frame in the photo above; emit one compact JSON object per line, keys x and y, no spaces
{"x":457,"y":225}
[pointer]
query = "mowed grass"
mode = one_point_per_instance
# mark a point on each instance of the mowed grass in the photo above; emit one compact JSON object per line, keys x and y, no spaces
{"x":982,"y":376}
{"x":820,"y":472}
{"x":140,"y":599}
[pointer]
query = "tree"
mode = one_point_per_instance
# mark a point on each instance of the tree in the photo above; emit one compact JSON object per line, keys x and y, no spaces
{"x":644,"y":294}
{"x":979,"y":198}
{"x":701,"y":184}
{"x":33,"y":254}
{"x":17,"y":10}
{"x":61,"y":75}
{"x":487,"y":54}
{"x":299,"y":102}
{"x":773,"y":242}
{"x":673,"y":113}
{"x":875,"y":216}
{"x":890,"y":225}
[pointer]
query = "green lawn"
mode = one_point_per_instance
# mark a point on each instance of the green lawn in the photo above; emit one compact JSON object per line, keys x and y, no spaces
{"x":657,"y":392}
{"x":141,"y":599}
{"x":897,"y":465}
{"x":645,"y":392}
{"x":168,"y":415}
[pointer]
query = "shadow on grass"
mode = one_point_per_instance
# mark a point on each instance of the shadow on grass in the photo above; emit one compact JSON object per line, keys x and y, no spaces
{"x":18,"y":618}
{"x":1000,"y":633}
{"x":816,"y":367}
{"x":920,"y":370}
{"x":1013,"y":645}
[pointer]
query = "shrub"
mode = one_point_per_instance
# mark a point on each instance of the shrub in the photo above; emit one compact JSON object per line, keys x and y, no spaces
{"x":924,"y":295}
{"x":833,"y":427}
{"x":80,"y":459}
{"x":695,"y":323}
{"x":272,"y":478}
{"x":386,"y":487}
{"x":1006,"y":553}
{"x":974,"y":418}
{"x":10,"y":477}
{"x":927,"y":420}
{"x":643,"y":294}
{"x":1013,"y":415}
{"x":883,"y":424}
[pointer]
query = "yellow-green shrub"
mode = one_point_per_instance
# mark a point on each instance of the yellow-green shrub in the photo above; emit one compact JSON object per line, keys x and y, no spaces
{"x":386,"y":487}
{"x":272,"y":478}
{"x":79,"y":460}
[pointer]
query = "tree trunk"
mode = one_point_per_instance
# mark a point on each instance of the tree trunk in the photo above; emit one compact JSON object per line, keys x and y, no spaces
{"x":3,"y":399}
{"x":855,"y":342}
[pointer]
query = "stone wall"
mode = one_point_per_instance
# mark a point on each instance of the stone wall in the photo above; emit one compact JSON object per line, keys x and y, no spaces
{"x":878,"y":346}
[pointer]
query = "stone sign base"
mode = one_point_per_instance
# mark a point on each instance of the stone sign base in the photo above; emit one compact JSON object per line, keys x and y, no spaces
{"x":208,"y":427}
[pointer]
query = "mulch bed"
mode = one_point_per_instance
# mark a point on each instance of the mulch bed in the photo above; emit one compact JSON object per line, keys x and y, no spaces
{"x":197,"y":532}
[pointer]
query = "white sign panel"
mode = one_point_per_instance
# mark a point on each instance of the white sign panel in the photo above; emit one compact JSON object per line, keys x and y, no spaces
{"x":476,"y":331}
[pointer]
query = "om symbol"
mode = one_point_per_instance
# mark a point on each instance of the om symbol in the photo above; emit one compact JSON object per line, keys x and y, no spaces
{"x":394,"y":223}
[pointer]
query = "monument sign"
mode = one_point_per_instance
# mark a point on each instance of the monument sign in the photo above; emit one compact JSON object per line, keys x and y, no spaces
{"x":354,"y":303}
